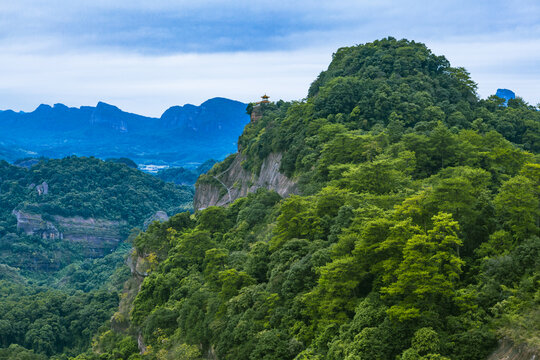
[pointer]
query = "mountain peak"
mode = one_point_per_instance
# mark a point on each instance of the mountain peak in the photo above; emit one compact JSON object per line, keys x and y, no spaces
{"x":60,"y":106}
{"x":505,"y":94}
{"x":43,"y":107}
{"x":103,"y":105}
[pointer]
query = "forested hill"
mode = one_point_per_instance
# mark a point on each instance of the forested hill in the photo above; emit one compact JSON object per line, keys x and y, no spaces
{"x":88,"y":187}
{"x":415,"y":235}
{"x":64,"y":210}
{"x":64,"y":226}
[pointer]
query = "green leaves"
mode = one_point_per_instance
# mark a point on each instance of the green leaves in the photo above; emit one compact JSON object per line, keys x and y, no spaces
{"x":428,"y":275}
{"x":518,"y":206}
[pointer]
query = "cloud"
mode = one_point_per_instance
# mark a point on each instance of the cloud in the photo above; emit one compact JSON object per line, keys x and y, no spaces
{"x":497,"y":64}
{"x":148,"y":55}
{"x":150,"y":84}
{"x":168,"y":27}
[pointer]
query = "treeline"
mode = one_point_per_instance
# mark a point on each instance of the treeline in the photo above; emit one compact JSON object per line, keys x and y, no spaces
{"x":416,"y":236}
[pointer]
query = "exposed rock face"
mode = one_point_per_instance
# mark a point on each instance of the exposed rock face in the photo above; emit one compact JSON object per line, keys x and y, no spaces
{"x":33,"y":224}
{"x":96,"y":236}
{"x":508,"y":351}
{"x":43,"y":189}
{"x":160,"y":216}
{"x":236,"y":182}
{"x":138,"y":266}
{"x":256,"y":113}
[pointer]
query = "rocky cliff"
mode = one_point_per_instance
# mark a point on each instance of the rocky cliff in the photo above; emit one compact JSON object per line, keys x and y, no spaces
{"x":96,"y":236}
{"x":235,"y":182}
{"x":507,"y":350}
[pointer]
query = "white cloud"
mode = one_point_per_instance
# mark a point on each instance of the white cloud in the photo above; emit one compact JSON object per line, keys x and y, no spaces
{"x":497,"y":64}
{"x":56,"y":51}
{"x":150,"y":84}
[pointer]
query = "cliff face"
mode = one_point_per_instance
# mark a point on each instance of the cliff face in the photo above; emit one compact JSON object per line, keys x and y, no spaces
{"x":96,"y":236}
{"x":509,"y":351}
{"x":236,"y":182}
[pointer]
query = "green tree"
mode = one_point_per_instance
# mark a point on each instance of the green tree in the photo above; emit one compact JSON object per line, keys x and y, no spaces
{"x":518,"y":208}
{"x":426,"y":278}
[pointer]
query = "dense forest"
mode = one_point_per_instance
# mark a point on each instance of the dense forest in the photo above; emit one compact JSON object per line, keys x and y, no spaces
{"x":53,"y":296}
{"x":415,"y":235}
{"x":88,"y":187}
{"x":77,"y":187}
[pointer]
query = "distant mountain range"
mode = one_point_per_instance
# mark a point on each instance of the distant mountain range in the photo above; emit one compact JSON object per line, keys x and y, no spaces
{"x":181,"y":136}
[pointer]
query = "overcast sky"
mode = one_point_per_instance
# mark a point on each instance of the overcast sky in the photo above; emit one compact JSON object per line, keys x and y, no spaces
{"x":145,"y":56}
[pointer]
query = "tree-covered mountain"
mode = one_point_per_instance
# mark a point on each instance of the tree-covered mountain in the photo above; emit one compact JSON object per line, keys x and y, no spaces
{"x":62,"y":210}
{"x":182,"y":135}
{"x":64,"y":227}
{"x":415,"y":234}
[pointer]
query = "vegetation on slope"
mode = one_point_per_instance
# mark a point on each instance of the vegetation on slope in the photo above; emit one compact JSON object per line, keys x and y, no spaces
{"x":416,"y":236}
{"x":53,"y":298}
{"x":89,"y":187}
{"x":85,"y":187}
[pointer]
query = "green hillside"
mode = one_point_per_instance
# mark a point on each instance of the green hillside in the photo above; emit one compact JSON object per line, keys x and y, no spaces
{"x":415,"y":235}
{"x":55,"y":293}
{"x":85,"y":198}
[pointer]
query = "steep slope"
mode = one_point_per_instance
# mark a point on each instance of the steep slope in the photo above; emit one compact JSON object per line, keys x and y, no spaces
{"x":64,"y":227}
{"x":415,"y":235}
{"x":222,"y":187}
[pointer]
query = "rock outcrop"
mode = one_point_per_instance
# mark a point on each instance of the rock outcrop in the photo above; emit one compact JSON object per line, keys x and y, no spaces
{"x":507,"y":350}
{"x":43,"y":188}
{"x":160,"y":216}
{"x":96,"y":236}
{"x":256,"y":113}
{"x":236,"y":182}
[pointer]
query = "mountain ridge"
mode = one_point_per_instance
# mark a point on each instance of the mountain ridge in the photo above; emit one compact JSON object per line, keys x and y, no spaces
{"x":105,"y":130}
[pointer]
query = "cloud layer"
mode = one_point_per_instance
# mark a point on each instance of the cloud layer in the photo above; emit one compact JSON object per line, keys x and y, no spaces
{"x":146,"y":55}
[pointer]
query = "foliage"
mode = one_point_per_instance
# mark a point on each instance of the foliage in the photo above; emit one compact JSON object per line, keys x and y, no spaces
{"x":406,"y":243}
{"x":53,"y":297}
{"x":415,"y":236}
{"x":51,"y":321}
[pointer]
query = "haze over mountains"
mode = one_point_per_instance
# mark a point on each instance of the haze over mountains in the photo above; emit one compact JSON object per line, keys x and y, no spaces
{"x":181,"y":136}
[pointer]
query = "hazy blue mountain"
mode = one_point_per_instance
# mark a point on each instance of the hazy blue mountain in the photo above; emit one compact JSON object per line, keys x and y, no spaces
{"x":185,"y":176}
{"x":182,"y":135}
{"x":11,"y":152}
{"x":506,"y":95}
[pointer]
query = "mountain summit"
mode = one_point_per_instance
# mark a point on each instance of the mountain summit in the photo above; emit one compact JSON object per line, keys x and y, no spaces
{"x":506,"y":95}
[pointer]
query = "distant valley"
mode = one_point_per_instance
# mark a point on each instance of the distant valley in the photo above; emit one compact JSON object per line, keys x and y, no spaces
{"x":183,"y":136}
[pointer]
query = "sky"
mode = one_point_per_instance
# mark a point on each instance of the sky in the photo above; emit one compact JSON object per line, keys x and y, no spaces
{"x":145,"y":56}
